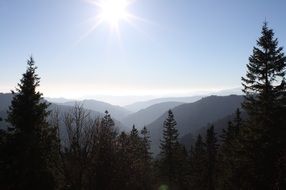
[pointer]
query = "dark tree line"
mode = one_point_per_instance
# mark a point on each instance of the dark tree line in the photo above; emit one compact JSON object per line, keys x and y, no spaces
{"x":76,"y":151}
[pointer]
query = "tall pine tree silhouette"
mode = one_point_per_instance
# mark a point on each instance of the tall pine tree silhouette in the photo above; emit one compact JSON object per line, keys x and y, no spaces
{"x":31,"y":138}
{"x":105,"y":157}
{"x":229,"y":154}
{"x":169,"y":149}
{"x":264,"y":88}
{"x":146,"y":158}
{"x":198,"y":160}
{"x":211,"y":147}
{"x":264,"y":83}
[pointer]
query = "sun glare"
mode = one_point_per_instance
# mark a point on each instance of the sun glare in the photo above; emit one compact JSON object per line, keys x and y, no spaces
{"x":113,"y":11}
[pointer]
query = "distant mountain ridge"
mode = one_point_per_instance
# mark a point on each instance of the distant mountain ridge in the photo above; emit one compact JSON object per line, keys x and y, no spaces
{"x":116,"y":112}
{"x":148,"y":115}
{"x":189,"y":139}
{"x":137,"y":106}
{"x":5,"y":101}
{"x":191,"y":117}
{"x":134,"y":107}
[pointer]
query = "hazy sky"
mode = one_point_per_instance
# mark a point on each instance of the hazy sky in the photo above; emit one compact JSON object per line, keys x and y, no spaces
{"x":177,"y":47}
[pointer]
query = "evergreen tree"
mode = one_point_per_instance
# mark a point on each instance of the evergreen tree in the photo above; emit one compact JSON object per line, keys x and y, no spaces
{"x":31,"y":139}
{"x":211,"y":147}
{"x":105,"y":157}
{"x":169,"y":150}
{"x":263,"y":138}
{"x":146,"y":159}
{"x":146,"y":144}
{"x":133,"y":168}
{"x":123,"y":161}
{"x":264,"y":83}
{"x":134,"y":132}
{"x":136,"y":163}
{"x":229,"y":154}
{"x":3,"y":159}
{"x":232,"y":131}
{"x":198,"y":160}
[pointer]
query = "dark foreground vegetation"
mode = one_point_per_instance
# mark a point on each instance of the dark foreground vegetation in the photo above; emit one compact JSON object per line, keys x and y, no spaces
{"x":75,"y":151}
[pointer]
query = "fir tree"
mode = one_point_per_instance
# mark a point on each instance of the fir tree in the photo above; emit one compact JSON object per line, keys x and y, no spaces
{"x":4,"y":167}
{"x":123,"y":161}
{"x":229,"y":152}
{"x":232,"y":131}
{"x":198,"y":160}
{"x":136,"y":162}
{"x":211,"y":147}
{"x":169,"y":149}
{"x":146,"y":145}
{"x":263,"y":138}
{"x":146,"y":159}
{"x":105,"y":157}
{"x":264,"y":83}
{"x":31,"y":139}
{"x":134,"y":132}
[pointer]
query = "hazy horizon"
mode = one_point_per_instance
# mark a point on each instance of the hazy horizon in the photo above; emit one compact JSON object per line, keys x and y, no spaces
{"x":130,"y":99}
{"x":85,"y":48}
{"x":124,"y":100}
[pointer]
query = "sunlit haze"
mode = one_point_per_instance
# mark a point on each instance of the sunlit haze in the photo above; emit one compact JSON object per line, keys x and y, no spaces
{"x":137,"y":49}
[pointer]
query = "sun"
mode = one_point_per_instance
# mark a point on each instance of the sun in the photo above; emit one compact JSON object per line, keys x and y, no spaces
{"x":113,"y":12}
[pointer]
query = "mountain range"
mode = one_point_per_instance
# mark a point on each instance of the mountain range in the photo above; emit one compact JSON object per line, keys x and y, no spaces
{"x":137,"y":106}
{"x":116,"y":112}
{"x":192,"y":118}
{"x":147,"y":115}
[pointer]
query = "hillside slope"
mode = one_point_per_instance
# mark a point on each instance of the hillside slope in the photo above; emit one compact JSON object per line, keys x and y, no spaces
{"x":193,"y":116}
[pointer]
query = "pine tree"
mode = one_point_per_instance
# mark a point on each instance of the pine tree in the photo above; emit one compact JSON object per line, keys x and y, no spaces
{"x":105,"y":157}
{"x":211,"y":147}
{"x":264,"y":83}
{"x":133,"y":165}
{"x":232,"y":131}
{"x":146,"y":159}
{"x":123,"y":161}
{"x":134,"y":132}
{"x":3,"y":158}
{"x":146,"y":153}
{"x":169,"y":150}
{"x":263,"y":137}
{"x":31,"y":139}
{"x":198,"y":162}
{"x":135,"y":180}
{"x":229,"y":152}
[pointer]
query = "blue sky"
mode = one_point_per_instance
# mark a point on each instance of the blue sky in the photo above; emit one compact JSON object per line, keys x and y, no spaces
{"x":178,"y":48}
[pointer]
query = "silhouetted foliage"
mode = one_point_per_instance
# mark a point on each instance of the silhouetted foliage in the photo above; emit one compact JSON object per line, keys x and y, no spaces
{"x":211,"y":147}
{"x":172,"y":155}
{"x":31,"y":140}
{"x":198,"y":160}
{"x":263,"y":138}
{"x":228,"y":177}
